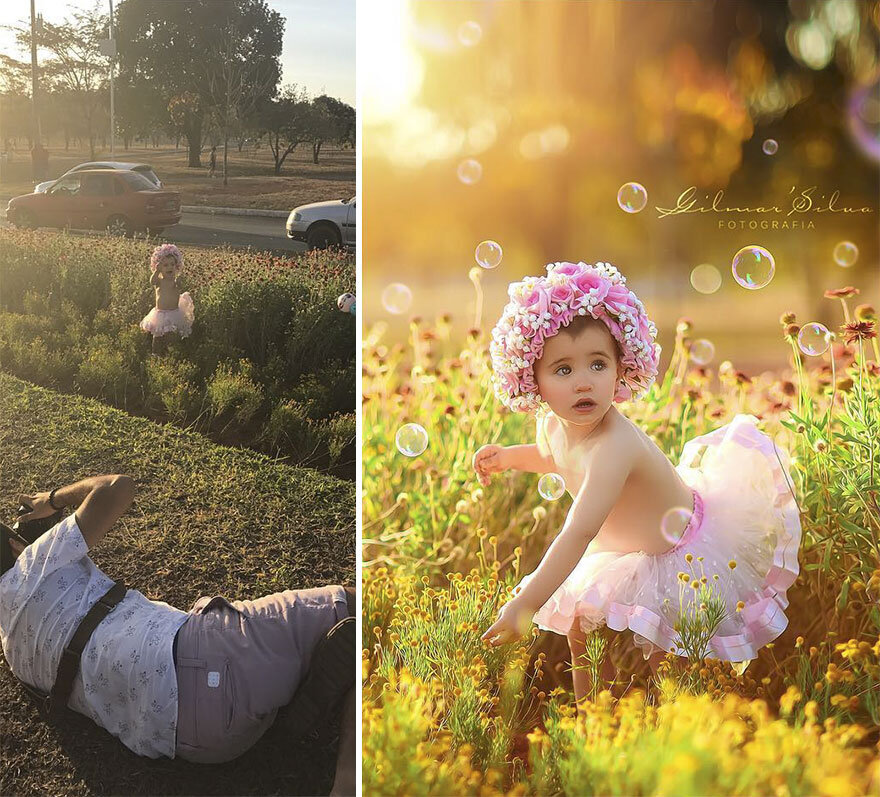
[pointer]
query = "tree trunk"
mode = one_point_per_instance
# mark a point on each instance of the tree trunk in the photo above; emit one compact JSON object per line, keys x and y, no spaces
{"x":194,"y":138}
{"x":316,"y":150}
{"x":225,"y":157}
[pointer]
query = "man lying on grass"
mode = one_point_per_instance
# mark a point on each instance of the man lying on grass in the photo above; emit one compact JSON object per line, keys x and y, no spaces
{"x":203,"y":685}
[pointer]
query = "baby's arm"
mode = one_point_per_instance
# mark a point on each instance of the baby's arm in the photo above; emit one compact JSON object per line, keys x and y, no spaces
{"x":155,"y":279}
{"x":494,"y":459}
{"x":608,"y":466}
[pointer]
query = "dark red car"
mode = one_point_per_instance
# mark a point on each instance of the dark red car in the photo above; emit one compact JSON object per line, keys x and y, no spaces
{"x":121,"y":202}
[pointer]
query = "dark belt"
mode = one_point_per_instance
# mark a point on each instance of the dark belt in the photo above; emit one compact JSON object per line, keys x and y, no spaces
{"x":57,"y":699}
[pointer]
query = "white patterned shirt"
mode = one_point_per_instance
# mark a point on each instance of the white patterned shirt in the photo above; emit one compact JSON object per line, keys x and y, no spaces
{"x":126,"y":680}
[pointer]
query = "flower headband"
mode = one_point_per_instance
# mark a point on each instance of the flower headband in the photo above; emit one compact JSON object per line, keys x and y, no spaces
{"x":540,"y":306}
{"x":164,"y":251}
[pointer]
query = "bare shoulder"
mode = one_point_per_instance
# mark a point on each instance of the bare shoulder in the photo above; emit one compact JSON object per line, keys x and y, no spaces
{"x":619,"y":439}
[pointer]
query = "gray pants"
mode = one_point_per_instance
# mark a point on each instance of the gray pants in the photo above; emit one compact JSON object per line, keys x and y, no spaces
{"x":239,"y":662}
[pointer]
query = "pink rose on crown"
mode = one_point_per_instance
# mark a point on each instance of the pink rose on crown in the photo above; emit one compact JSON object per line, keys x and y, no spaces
{"x":561,"y":293}
{"x":590,"y":282}
{"x":617,"y":299}
{"x":565,"y":268}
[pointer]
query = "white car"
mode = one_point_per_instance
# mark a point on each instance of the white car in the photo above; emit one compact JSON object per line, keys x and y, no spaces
{"x":141,"y":168}
{"x":323,"y":224}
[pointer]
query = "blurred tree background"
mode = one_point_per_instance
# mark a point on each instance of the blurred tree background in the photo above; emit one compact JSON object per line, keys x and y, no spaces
{"x":561,"y":103}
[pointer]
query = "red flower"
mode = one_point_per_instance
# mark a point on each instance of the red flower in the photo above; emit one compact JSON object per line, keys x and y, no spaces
{"x":842,"y":293}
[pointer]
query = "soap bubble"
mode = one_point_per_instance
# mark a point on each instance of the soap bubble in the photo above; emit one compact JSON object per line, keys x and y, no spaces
{"x":753,"y":267}
{"x":488,"y":254}
{"x":396,"y":298}
{"x":632,"y":197}
{"x":470,"y":33}
{"x":846,"y":253}
{"x":470,"y":171}
{"x":551,"y":486}
{"x":702,"y":351}
{"x":411,"y":439}
{"x":674,"y":523}
{"x":770,"y":146}
{"x":814,"y":339}
{"x":705,"y":278}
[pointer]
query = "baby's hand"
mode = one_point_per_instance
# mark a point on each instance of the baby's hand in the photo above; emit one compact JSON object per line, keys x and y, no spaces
{"x":489,"y":459}
{"x":514,"y":621}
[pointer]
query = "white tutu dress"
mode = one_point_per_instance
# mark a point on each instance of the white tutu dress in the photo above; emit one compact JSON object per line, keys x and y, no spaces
{"x":160,"y":322}
{"x":744,"y":511}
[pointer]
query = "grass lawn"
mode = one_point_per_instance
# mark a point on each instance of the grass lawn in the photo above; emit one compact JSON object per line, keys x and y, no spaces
{"x":252,"y":182}
{"x":207,"y":520}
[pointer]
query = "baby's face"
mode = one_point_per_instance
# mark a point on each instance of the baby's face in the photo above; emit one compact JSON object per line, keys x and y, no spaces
{"x":577,"y":374}
{"x":166,"y":266}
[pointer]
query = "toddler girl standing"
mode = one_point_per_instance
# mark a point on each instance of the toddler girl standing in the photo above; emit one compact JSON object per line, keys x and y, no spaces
{"x":174,"y":310}
{"x":639,"y":532}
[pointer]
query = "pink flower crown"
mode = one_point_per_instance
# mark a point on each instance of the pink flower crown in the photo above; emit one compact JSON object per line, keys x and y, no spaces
{"x":540,"y":306}
{"x":163,"y":251}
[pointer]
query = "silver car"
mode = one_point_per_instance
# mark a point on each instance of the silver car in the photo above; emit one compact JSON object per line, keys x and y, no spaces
{"x":323,"y":224}
{"x":141,"y":168}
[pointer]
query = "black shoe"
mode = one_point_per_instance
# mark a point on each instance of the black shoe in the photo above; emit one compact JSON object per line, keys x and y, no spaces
{"x":331,"y":674}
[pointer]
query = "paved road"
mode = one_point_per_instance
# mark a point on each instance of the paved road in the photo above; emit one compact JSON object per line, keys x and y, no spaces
{"x":240,"y":232}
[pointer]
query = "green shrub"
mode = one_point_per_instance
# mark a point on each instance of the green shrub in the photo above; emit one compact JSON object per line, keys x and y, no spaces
{"x":114,"y":370}
{"x":232,"y":393}
{"x":329,"y":391}
{"x":173,"y":387}
{"x":320,"y":333}
{"x":251,"y":317}
{"x":290,"y":430}
{"x":339,"y":435}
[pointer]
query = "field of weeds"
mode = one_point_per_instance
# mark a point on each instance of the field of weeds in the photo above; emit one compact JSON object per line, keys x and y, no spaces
{"x":444,"y":714}
{"x":270,"y":363}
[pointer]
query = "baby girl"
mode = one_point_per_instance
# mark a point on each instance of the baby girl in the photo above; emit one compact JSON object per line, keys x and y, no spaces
{"x":640,"y":532}
{"x":174,"y":310}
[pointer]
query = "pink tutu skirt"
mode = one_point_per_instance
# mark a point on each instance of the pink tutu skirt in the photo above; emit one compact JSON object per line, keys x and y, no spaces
{"x":160,"y":322}
{"x":744,"y":511}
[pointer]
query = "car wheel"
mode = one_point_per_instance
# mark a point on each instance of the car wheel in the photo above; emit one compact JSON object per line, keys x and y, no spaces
{"x":119,"y":225}
{"x":25,"y":219}
{"x":322,"y":235}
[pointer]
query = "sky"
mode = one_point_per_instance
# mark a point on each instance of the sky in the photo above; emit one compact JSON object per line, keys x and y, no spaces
{"x":317,"y":51}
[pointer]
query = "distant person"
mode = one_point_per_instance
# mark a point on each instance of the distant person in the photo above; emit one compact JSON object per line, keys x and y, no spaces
{"x":40,"y":162}
{"x":202,"y":685}
{"x":213,"y":166}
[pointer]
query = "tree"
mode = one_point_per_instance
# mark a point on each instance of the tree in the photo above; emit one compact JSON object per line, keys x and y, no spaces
{"x":334,"y":121}
{"x":236,"y":84}
{"x":288,"y":122}
{"x":141,"y":111}
{"x":178,"y":46}
{"x":76,"y":64}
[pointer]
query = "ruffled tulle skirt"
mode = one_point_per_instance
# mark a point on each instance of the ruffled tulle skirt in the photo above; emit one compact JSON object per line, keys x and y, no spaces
{"x":160,"y":322}
{"x":744,"y":513}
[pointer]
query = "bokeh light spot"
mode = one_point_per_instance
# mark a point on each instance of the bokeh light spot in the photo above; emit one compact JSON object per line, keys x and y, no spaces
{"x":705,"y":278}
